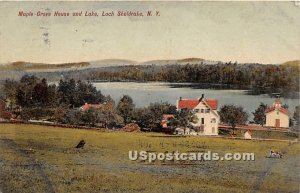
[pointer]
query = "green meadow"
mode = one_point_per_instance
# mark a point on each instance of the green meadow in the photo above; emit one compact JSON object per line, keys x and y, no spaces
{"x":43,"y":159}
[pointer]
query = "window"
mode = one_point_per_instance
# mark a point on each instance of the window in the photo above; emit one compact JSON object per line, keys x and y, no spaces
{"x":207,"y":110}
{"x":196,"y":110}
{"x":202,"y":120}
{"x":213,"y":120}
{"x":213,"y":130}
{"x":202,"y":110}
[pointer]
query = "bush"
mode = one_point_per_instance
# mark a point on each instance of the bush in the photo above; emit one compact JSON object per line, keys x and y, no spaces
{"x":36,"y":113}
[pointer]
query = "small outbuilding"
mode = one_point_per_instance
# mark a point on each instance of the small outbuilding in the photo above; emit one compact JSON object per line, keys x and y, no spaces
{"x":248,"y":134}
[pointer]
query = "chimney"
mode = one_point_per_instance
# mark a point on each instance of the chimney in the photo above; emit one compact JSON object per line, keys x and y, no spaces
{"x":180,"y":98}
{"x":202,"y":96}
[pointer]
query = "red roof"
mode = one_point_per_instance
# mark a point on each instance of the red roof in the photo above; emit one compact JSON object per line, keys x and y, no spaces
{"x":192,"y":103}
{"x":212,"y":103}
{"x":283,"y":110}
{"x":188,"y":103}
{"x":88,"y":106}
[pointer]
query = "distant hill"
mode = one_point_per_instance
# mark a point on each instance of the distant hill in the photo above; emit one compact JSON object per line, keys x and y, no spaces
{"x":44,"y":67}
{"x":295,"y":63}
{"x":179,"y":61}
{"x":111,"y":62}
{"x":120,"y":62}
{"x":190,"y":60}
{"x":29,"y":66}
{"x":20,"y":65}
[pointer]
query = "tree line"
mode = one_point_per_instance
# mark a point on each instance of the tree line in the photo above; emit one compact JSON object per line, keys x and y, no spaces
{"x":34,"y":98}
{"x":259,"y":78}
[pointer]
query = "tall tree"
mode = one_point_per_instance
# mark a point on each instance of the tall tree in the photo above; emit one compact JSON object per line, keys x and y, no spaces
{"x":259,"y":114}
{"x":25,"y":91}
{"x":75,"y":94}
{"x":67,"y":92}
{"x":296,"y":115}
{"x":40,"y":93}
{"x":150,"y":118}
{"x":183,"y":118}
{"x":125,"y":108}
{"x":87,"y":93}
{"x":10,"y":90}
{"x":233,"y":115}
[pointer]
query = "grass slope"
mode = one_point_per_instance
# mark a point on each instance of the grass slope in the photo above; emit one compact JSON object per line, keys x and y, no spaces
{"x":53,"y":165}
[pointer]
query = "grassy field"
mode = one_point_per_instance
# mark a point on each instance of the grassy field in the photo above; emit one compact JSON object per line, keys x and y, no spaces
{"x":260,"y":134}
{"x":43,"y":159}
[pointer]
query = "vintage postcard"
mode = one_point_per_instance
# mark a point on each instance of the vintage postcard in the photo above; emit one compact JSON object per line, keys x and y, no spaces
{"x":149,"y":96}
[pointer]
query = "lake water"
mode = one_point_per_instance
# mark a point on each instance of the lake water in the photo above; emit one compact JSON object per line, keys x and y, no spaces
{"x":145,"y":93}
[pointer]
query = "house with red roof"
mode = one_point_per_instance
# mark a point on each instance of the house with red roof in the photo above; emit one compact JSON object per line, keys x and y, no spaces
{"x":277,"y":116}
{"x":206,"y":112}
{"x":106,"y":106}
{"x":87,"y":106}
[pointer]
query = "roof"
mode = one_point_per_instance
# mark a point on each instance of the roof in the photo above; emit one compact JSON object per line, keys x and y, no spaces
{"x":281,"y":109}
{"x":192,"y":103}
{"x":87,"y":106}
{"x":212,"y":103}
{"x":277,"y":101}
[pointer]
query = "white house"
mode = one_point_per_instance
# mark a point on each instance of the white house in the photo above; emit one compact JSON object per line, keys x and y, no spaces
{"x":205,"y":110}
{"x":277,"y":116}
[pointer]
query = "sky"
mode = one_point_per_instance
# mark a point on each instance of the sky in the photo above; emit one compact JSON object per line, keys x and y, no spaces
{"x":263,"y":32}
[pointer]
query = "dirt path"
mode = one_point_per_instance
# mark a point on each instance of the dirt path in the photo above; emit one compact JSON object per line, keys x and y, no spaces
{"x":31,"y":163}
{"x":268,"y":164}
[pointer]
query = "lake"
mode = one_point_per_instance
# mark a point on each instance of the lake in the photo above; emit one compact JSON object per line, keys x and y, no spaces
{"x":145,"y":93}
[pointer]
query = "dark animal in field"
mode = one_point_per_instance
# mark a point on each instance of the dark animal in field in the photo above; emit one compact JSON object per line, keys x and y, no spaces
{"x":28,"y":151}
{"x":81,"y":144}
{"x":275,"y":154}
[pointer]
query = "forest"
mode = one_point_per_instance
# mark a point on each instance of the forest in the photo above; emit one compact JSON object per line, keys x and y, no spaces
{"x":32,"y":98}
{"x":260,"y":79}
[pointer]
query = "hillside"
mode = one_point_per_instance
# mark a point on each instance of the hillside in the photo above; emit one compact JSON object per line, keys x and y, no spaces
{"x":179,"y":61}
{"x":111,"y":62}
{"x":30,"y":66}
{"x":43,"y":159}
{"x":294,"y":63}
{"x":20,"y":65}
